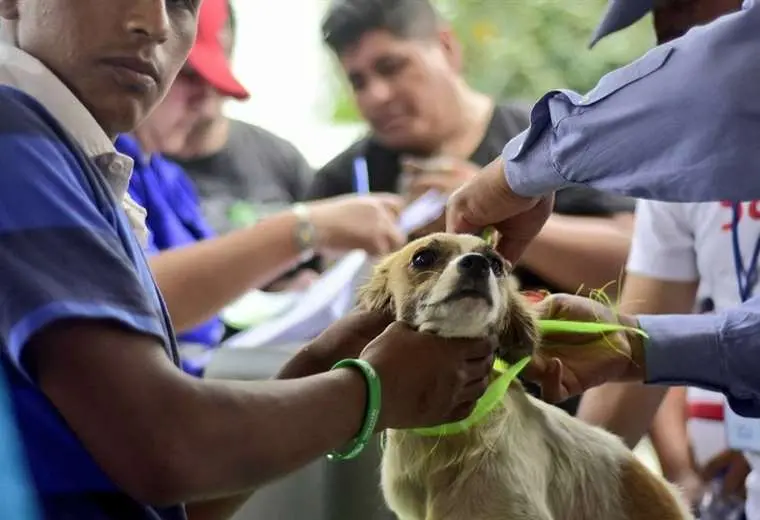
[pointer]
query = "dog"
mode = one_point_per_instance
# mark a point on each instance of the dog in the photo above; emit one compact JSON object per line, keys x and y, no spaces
{"x":527,"y":460}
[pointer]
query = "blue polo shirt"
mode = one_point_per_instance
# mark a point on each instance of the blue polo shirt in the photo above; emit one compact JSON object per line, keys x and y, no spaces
{"x":66,"y":251}
{"x":174,"y":218}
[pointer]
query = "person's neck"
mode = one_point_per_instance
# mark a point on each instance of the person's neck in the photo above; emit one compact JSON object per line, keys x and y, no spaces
{"x":146,"y":139}
{"x":207,"y":140}
{"x":474,"y":113}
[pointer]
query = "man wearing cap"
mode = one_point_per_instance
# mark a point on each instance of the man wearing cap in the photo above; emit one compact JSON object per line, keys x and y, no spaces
{"x":240,"y":170}
{"x":199,"y":273}
{"x":678,"y":248}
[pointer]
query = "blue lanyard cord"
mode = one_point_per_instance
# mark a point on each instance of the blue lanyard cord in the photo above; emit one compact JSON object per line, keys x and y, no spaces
{"x":744,"y":279}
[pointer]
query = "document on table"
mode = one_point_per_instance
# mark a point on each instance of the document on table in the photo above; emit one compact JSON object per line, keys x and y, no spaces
{"x":325,"y":301}
{"x":423,"y":211}
{"x":333,"y":295}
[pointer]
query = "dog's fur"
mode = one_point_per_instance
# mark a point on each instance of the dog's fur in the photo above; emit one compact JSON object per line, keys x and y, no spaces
{"x":527,"y":460}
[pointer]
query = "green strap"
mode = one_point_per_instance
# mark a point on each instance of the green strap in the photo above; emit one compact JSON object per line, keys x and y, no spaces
{"x":584,"y":327}
{"x":496,"y":391}
{"x":493,"y":395}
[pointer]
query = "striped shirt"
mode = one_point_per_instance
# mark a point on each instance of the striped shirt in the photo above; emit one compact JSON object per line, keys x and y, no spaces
{"x":67,"y":250}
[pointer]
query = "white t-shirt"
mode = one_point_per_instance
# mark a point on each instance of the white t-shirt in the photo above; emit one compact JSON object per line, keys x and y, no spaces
{"x":693,"y":242}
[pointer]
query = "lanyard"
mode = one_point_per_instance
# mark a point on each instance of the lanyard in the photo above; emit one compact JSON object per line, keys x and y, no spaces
{"x":745,"y":279}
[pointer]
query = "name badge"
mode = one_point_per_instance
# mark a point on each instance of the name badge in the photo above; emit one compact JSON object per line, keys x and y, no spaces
{"x":742,"y":433}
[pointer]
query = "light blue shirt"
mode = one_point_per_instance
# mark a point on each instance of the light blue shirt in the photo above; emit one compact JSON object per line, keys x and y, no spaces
{"x":681,"y":123}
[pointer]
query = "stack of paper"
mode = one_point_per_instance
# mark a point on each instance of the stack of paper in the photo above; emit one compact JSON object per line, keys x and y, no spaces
{"x":328,"y":299}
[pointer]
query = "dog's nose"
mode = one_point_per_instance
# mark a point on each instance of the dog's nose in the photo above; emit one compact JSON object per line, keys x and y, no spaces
{"x":474,"y":265}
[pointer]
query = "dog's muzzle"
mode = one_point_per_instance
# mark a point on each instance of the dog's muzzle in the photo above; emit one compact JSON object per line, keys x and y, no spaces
{"x":474,"y":274}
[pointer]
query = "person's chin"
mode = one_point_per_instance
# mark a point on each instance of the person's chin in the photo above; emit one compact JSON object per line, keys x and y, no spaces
{"x":404,"y":139}
{"x":122,"y":115}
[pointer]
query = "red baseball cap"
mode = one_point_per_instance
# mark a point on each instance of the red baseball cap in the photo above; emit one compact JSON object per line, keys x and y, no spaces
{"x":207,"y":57}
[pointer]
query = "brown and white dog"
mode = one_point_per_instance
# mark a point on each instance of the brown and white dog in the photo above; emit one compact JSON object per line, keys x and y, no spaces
{"x":527,"y":460}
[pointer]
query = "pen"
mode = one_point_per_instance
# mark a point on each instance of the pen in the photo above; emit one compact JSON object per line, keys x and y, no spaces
{"x":361,"y":176}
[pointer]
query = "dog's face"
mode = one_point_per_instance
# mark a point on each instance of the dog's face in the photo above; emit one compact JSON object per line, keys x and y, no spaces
{"x":455,"y":286}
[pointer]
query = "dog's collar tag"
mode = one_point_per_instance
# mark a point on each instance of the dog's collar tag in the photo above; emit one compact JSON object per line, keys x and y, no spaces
{"x":492,"y":397}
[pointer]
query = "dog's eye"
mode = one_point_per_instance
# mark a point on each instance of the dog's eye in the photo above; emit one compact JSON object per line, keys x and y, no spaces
{"x":424,"y":259}
{"x":497,"y":266}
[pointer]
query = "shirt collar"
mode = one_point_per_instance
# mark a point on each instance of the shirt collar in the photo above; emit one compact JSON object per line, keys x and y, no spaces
{"x":22,"y":71}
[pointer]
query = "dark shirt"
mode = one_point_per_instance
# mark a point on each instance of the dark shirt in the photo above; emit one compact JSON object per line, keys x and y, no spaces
{"x":255,"y":173}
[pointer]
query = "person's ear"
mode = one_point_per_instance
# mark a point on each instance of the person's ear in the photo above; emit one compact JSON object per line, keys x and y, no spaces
{"x":452,"y":49}
{"x":8,"y":10}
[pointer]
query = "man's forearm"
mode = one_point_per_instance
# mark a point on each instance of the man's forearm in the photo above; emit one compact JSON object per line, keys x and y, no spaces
{"x":670,"y":436}
{"x":197,"y":281}
{"x":609,"y":138}
{"x":573,"y":251}
{"x":718,"y":352}
{"x":252,"y":433}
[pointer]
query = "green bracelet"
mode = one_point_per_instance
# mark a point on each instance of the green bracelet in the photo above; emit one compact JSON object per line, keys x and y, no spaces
{"x":371,"y":415}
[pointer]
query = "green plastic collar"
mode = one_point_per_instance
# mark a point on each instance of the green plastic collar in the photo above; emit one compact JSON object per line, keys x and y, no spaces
{"x":496,"y":391}
{"x":493,"y":396}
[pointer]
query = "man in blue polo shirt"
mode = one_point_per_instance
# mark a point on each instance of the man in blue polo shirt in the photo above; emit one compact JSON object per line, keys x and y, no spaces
{"x":112,"y":429}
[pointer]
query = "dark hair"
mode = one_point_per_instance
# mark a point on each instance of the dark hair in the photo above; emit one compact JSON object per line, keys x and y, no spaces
{"x":347,"y":21}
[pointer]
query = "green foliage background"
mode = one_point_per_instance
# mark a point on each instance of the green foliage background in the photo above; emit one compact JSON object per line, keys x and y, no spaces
{"x":519,"y":49}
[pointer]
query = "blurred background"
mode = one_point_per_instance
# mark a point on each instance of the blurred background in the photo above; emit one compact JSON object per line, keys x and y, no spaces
{"x":297,"y":94}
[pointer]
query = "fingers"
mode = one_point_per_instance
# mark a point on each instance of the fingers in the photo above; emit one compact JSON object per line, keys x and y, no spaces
{"x":429,"y":180}
{"x":374,"y":322}
{"x":478,"y":369}
{"x":458,"y":214}
{"x":716,"y":465}
{"x":475,"y":350}
{"x":736,"y":476}
{"x":511,"y":249}
{"x":557,"y":383}
{"x":394,"y":204}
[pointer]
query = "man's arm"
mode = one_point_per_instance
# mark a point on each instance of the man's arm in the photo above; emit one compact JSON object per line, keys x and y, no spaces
{"x":248,"y":258}
{"x":198,"y":280}
{"x":572,"y":251}
{"x":641,"y":133}
{"x":225,"y":438}
{"x":717,"y":352}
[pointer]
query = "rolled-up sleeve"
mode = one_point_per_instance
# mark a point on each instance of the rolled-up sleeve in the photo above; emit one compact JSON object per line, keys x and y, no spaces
{"x":718,"y":352}
{"x":681,"y":123}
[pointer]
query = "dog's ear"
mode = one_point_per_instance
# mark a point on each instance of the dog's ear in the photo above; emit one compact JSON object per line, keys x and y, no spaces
{"x":375,"y":294}
{"x":519,"y":334}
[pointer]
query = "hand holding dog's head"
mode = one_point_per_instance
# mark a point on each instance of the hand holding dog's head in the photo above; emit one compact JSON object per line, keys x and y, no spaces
{"x":455,"y":286}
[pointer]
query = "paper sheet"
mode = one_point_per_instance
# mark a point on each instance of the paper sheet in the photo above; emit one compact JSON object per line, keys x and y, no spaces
{"x":423,"y":211}
{"x":329,"y":298}
{"x":333,"y":295}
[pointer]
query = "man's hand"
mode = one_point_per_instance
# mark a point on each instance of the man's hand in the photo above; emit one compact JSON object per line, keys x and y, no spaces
{"x":366,"y":222}
{"x":570,"y":363}
{"x":444,"y":174}
{"x":428,"y":380}
{"x":733,"y":468}
{"x":487,"y":200}
{"x":346,"y":338}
